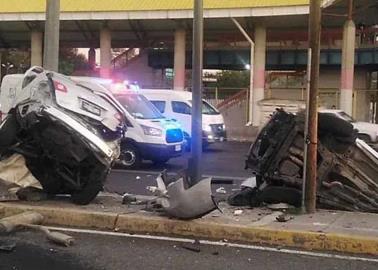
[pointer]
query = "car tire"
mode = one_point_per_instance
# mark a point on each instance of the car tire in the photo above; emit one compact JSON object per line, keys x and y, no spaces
{"x":130,"y":157}
{"x":329,"y":123}
{"x":88,"y":193}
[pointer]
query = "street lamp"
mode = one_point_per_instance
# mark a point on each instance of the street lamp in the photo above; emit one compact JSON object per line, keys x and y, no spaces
{"x":7,"y":67}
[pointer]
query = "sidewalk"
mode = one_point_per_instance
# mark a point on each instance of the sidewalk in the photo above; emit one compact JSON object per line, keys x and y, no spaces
{"x":324,"y":230}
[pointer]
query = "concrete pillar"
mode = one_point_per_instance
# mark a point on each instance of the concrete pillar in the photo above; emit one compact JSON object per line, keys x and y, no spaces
{"x":258,"y":73}
{"x":92,"y":58}
{"x":52,"y":27}
{"x":347,"y":67}
{"x":105,"y":53}
{"x":179,"y":60}
{"x":36,"y":48}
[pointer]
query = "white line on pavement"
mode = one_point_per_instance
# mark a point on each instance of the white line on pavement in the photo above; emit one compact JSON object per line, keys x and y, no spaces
{"x":220,"y":177}
{"x":223,"y":244}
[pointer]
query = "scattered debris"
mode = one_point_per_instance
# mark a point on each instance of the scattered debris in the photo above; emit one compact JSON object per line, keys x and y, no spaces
{"x":152,"y":189}
{"x":249,"y":182}
{"x":31,"y":194}
{"x":267,"y":219}
{"x":195,"y":246}
{"x":184,"y":203}
{"x":216,"y":253}
{"x":32,"y":220}
{"x":221,"y":190}
{"x":7,"y":246}
{"x":128,"y":199}
{"x":238,"y":212}
{"x":279,"y":206}
{"x":284,"y":218}
{"x":12,"y":223}
{"x":347,"y":167}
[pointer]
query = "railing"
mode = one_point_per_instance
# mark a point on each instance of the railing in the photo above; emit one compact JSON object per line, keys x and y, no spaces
{"x":217,"y":96}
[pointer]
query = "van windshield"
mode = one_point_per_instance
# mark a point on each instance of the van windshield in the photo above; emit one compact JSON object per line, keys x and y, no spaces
{"x":139,"y":107}
{"x":207,"y":108}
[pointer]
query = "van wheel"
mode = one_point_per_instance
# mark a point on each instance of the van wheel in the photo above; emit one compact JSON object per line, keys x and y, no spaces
{"x":130,"y":157}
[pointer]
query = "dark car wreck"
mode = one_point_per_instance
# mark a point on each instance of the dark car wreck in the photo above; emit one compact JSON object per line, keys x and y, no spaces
{"x":347,"y":168}
{"x":67,"y":133}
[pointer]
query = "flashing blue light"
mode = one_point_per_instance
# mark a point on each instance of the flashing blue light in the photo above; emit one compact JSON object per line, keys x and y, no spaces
{"x":174,"y":135}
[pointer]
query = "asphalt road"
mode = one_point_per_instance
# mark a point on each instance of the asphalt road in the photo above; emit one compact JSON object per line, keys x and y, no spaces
{"x":97,"y":252}
{"x":223,"y":161}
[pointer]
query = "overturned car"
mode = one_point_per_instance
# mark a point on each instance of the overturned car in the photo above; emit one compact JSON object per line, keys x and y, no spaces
{"x":68,"y":133}
{"x":347,"y":168}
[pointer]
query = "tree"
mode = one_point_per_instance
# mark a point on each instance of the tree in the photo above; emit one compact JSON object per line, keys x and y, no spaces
{"x":19,"y":58}
{"x":233,"y":79}
{"x":70,"y":60}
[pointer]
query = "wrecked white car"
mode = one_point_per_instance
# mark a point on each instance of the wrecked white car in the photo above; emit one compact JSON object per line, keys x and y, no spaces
{"x":68,"y":134}
{"x":347,"y":170}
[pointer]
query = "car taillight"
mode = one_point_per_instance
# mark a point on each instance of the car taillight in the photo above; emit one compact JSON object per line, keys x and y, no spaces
{"x":60,"y":87}
{"x":119,"y":117}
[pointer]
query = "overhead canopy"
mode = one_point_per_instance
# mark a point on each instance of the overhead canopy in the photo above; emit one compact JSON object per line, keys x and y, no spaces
{"x":151,"y":23}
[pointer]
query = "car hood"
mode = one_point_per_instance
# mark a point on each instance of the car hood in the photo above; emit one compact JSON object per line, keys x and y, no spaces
{"x":364,"y":126}
{"x":209,"y":119}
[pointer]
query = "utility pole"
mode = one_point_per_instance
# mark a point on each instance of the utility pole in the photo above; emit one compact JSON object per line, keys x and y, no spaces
{"x":52,"y":26}
{"x":312,"y":117}
{"x":195,"y":166}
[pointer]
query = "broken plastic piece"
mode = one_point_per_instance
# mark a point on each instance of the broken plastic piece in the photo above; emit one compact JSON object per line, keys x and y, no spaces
{"x":12,"y":223}
{"x":221,"y":190}
{"x":238,"y":212}
{"x":7,"y":246}
{"x":249,"y":182}
{"x":182,"y":203}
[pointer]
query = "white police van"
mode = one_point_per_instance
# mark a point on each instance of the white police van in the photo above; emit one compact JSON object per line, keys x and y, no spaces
{"x":149,"y":136}
{"x":178,"y":105}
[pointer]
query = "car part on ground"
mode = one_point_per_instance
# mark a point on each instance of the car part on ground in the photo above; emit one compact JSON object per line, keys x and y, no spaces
{"x":347,"y":171}
{"x":183,"y":202}
{"x":67,"y":133}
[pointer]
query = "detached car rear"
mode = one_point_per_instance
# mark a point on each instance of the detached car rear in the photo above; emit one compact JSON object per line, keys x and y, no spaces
{"x":69,"y":134}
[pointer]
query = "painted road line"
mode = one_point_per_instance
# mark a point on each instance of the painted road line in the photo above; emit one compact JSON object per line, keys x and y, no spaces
{"x":219,"y":243}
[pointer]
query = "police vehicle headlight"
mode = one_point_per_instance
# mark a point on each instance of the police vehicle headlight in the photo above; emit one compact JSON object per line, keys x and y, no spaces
{"x":150,"y":131}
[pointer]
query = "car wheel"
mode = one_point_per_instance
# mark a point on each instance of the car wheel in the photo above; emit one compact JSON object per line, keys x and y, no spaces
{"x":94,"y":184}
{"x":130,"y":157}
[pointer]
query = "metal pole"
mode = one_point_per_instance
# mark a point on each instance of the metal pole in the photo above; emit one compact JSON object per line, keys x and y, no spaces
{"x":306,"y":139}
{"x":252,"y":67}
{"x":52,"y":26}
{"x":311,"y":159}
{"x":195,"y":167}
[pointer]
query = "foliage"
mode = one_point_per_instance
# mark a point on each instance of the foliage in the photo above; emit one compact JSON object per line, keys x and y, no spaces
{"x":70,"y":60}
{"x":233,"y":79}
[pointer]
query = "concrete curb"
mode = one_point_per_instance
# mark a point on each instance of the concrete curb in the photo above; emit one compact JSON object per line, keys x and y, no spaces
{"x":142,"y":223}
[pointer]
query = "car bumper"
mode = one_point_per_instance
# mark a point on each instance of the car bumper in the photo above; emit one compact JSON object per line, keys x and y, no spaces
{"x":150,"y":151}
{"x":211,"y":137}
